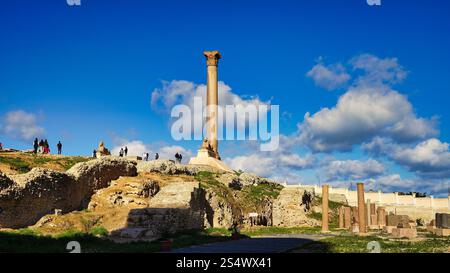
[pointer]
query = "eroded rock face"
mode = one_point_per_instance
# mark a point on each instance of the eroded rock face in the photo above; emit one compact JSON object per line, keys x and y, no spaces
{"x":35,"y":194}
{"x":237,"y":182}
{"x":288,"y":211}
{"x":97,"y":174}
{"x":170,"y":167}
{"x":25,"y":198}
{"x":218,"y":213}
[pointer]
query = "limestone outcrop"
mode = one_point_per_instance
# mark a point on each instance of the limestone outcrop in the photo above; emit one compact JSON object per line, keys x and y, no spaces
{"x":288,"y":211}
{"x":236,"y":181}
{"x":170,"y":167}
{"x":177,"y":206}
{"x":25,"y":198}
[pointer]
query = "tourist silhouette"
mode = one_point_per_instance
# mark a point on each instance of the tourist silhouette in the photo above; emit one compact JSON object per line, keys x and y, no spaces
{"x":59,"y":146}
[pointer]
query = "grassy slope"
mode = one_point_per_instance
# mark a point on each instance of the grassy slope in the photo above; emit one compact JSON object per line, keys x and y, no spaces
{"x":18,"y":162}
{"x":248,"y":199}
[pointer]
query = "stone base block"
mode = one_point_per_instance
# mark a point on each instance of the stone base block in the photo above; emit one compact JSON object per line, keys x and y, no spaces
{"x":404,"y":233}
{"x":441,"y":231}
{"x":203,"y":159}
{"x":388,"y":229}
{"x":430,"y":228}
{"x":374,"y":227}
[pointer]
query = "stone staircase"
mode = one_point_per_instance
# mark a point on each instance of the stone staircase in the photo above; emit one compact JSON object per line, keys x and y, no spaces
{"x":287,"y":210}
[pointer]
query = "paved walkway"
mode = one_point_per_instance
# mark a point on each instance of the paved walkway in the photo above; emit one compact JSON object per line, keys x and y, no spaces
{"x":272,"y":244}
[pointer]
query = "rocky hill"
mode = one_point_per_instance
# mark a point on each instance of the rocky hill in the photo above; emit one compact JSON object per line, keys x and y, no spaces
{"x":143,"y":200}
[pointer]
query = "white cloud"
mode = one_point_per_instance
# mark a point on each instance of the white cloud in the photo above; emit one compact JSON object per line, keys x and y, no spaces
{"x":138,"y":147}
{"x":21,"y":125}
{"x":329,"y":77}
{"x":395,"y":180}
{"x":430,"y":157}
{"x":361,"y":114}
{"x":183,"y":92}
{"x":378,"y":71}
{"x":353,"y":169}
{"x":282,"y":164}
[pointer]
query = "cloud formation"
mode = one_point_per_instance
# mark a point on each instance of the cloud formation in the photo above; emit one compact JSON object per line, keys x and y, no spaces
{"x":370,"y":108}
{"x":138,"y":147}
{"x":329,"y":76}
{"x":353,"y":169}
{"x":21,"y":125}
{"x":428,"y":159}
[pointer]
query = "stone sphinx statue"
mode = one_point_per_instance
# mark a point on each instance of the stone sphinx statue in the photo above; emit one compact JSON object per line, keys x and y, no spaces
{"x":101,"y":150}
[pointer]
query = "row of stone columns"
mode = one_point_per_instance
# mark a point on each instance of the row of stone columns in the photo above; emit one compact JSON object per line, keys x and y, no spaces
{"x":354,"y":218}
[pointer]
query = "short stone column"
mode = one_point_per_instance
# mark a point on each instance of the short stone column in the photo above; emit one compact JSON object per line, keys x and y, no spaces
{"x":341,"y":217}
{"x":325,"y":208}
{"x":347,"y":217}
{"x":381,"y":215}
{"x":373,"y":214}
{"x":361,"y":208}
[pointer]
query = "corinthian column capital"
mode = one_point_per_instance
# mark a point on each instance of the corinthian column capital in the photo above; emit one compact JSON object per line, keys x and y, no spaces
{"x":212,"y":57}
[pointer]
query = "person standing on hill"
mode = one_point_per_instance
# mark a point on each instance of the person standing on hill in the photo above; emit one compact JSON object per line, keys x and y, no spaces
{"x":121,"y":152}
{"x":126,"y":150}
{"x":59,"y":146}
{"x":156,"y":156}
{"x":35,"y":145}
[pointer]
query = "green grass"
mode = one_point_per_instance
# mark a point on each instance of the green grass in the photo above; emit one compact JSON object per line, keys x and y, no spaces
{"x":69,"y":162}
{"x":25,"y":162}
{"x":357,"y":244}
{"x":258,"y":192}
{"x":30,"y":241}
{"x":260,"y":231}
{"x":16,"y":164}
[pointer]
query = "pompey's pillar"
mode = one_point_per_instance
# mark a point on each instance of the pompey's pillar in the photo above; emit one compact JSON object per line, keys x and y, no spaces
{"x":212,"y":60}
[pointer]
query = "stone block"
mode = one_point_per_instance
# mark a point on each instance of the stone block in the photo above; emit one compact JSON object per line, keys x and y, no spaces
{"x":404,"y":233}
{"x":388,"y":229}
{"x":442,"y":220}
{"x":441,"y":231}
{"x":431,"y":228}
{"x":395,"y":220}
{"x":374,"y":219}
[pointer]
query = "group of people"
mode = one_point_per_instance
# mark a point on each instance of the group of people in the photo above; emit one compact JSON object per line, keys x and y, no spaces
{"x":178,"y":157}
{"x":42,"y":146}
{"x":146,"y":155}
{"x":123,"y":151}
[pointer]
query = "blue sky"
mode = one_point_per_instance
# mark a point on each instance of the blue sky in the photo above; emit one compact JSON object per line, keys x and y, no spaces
{"x":80,"y":74}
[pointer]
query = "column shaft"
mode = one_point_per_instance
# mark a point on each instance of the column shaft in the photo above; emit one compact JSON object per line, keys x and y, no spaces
{"x":361,"y":208}
{"x":325,"y":208}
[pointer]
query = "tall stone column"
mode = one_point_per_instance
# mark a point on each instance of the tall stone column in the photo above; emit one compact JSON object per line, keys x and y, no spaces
{"x":212,"y":60}
{"x":325,"y":208}
{"x":361,"y":208}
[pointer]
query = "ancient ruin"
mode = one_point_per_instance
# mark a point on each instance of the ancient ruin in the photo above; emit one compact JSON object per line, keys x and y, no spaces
{"x":208,"y":154}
